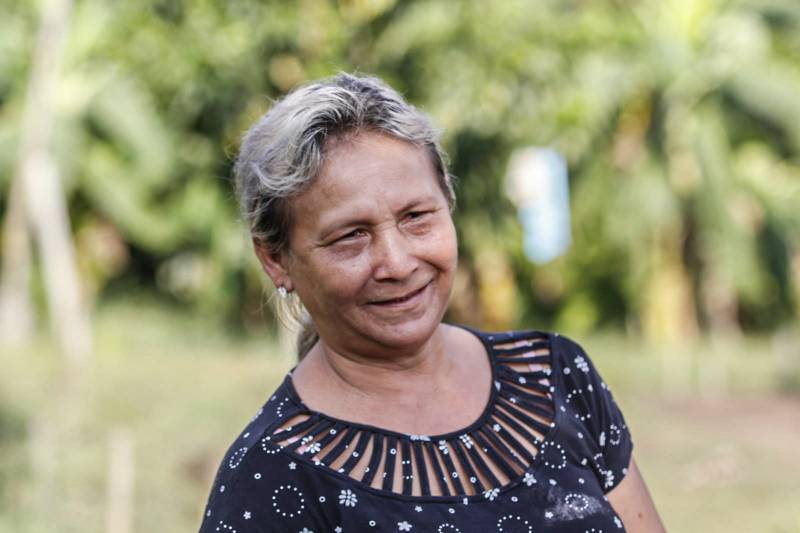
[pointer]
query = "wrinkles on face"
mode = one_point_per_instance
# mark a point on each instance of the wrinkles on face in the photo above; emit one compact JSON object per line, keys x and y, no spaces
{"x":372,"y":230}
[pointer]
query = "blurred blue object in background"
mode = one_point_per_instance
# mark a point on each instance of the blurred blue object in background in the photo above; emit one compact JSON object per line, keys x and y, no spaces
{"x":537,"y":183}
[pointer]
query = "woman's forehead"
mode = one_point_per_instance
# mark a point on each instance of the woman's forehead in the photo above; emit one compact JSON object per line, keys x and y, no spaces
{"x":370,"y":147}
{"x":371,"y":172}
{"x":372,"y":164}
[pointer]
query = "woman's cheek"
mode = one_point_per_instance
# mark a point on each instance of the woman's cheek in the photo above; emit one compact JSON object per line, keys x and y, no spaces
{"x":346,"y":271}
{"x":443,"y":242}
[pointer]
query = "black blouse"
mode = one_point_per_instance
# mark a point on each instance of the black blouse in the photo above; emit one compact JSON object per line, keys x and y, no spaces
{"x":549,"y":445}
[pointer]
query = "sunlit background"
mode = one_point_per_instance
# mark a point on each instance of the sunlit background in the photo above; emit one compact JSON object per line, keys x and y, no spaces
{"x":662,"y":231}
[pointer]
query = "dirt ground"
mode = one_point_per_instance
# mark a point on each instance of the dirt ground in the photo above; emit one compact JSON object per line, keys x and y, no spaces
{"x":729,"y":464}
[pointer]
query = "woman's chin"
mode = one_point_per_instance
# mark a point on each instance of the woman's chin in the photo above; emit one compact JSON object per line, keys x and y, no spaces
{"x":405,"y":333}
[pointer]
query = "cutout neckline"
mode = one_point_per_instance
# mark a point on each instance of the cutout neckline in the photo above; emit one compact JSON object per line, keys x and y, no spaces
{"x":499,"y":450}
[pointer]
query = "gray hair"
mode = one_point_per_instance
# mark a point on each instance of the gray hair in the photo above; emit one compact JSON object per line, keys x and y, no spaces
{"x":283,"y":152}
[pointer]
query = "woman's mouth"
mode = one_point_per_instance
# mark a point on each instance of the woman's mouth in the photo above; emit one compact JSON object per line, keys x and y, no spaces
{"x":402,"y":299}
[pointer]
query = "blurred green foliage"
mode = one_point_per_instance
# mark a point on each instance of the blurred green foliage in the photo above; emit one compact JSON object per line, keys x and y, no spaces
{"x":679,"y":119}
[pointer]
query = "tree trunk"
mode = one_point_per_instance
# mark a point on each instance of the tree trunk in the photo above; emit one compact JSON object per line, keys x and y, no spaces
{"x":44,"y":202}
{"x":16,"y":308}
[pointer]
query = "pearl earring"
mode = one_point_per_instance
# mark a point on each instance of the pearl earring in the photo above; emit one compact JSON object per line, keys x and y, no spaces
{"x":282,"y":292}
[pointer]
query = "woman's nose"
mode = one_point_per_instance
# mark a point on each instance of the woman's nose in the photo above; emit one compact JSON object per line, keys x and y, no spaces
{"x":394,"y":257}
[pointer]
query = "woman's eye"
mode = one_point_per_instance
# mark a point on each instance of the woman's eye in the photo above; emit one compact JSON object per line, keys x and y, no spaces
{"x":415,"y":215}
{"x":350,"y":236}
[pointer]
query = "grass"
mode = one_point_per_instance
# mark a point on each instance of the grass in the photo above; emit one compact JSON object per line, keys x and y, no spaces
{"x":716,"y":444}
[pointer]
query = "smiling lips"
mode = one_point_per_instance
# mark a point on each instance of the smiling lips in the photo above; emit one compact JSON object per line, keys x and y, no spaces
{"x":402,"y":299}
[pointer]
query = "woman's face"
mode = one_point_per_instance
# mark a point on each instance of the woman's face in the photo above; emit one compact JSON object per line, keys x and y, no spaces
{"x":372,"y":251}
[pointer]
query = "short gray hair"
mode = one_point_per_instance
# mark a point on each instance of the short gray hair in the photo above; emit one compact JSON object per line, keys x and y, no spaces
{"x":283,"y":152}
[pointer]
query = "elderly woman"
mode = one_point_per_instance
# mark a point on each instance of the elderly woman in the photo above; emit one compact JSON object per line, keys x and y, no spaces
{"x":394,"y":420}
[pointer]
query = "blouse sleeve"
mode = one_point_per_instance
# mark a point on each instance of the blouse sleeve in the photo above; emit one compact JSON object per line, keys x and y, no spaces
{"x":259,"y":492}
{"x":610,"y":445}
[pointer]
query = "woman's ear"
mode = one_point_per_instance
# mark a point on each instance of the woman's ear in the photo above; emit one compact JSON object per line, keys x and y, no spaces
{"x":273,"y":263}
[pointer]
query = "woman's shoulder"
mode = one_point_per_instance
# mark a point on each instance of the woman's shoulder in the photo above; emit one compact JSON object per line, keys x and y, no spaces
{"x":283,"y":404}
{"x":525,"y":341}
{"x":526,"y":346}
{"x":506,"y":336}
{"x":241,"y":464}
{"x":565,"y":365}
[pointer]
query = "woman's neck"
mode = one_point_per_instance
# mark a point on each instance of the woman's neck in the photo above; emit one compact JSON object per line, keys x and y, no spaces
{"x":418,"y":393}
{"x":392,"y":374}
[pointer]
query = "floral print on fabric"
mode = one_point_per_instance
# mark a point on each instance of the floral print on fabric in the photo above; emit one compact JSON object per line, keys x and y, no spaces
{"x":549,"y":446}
